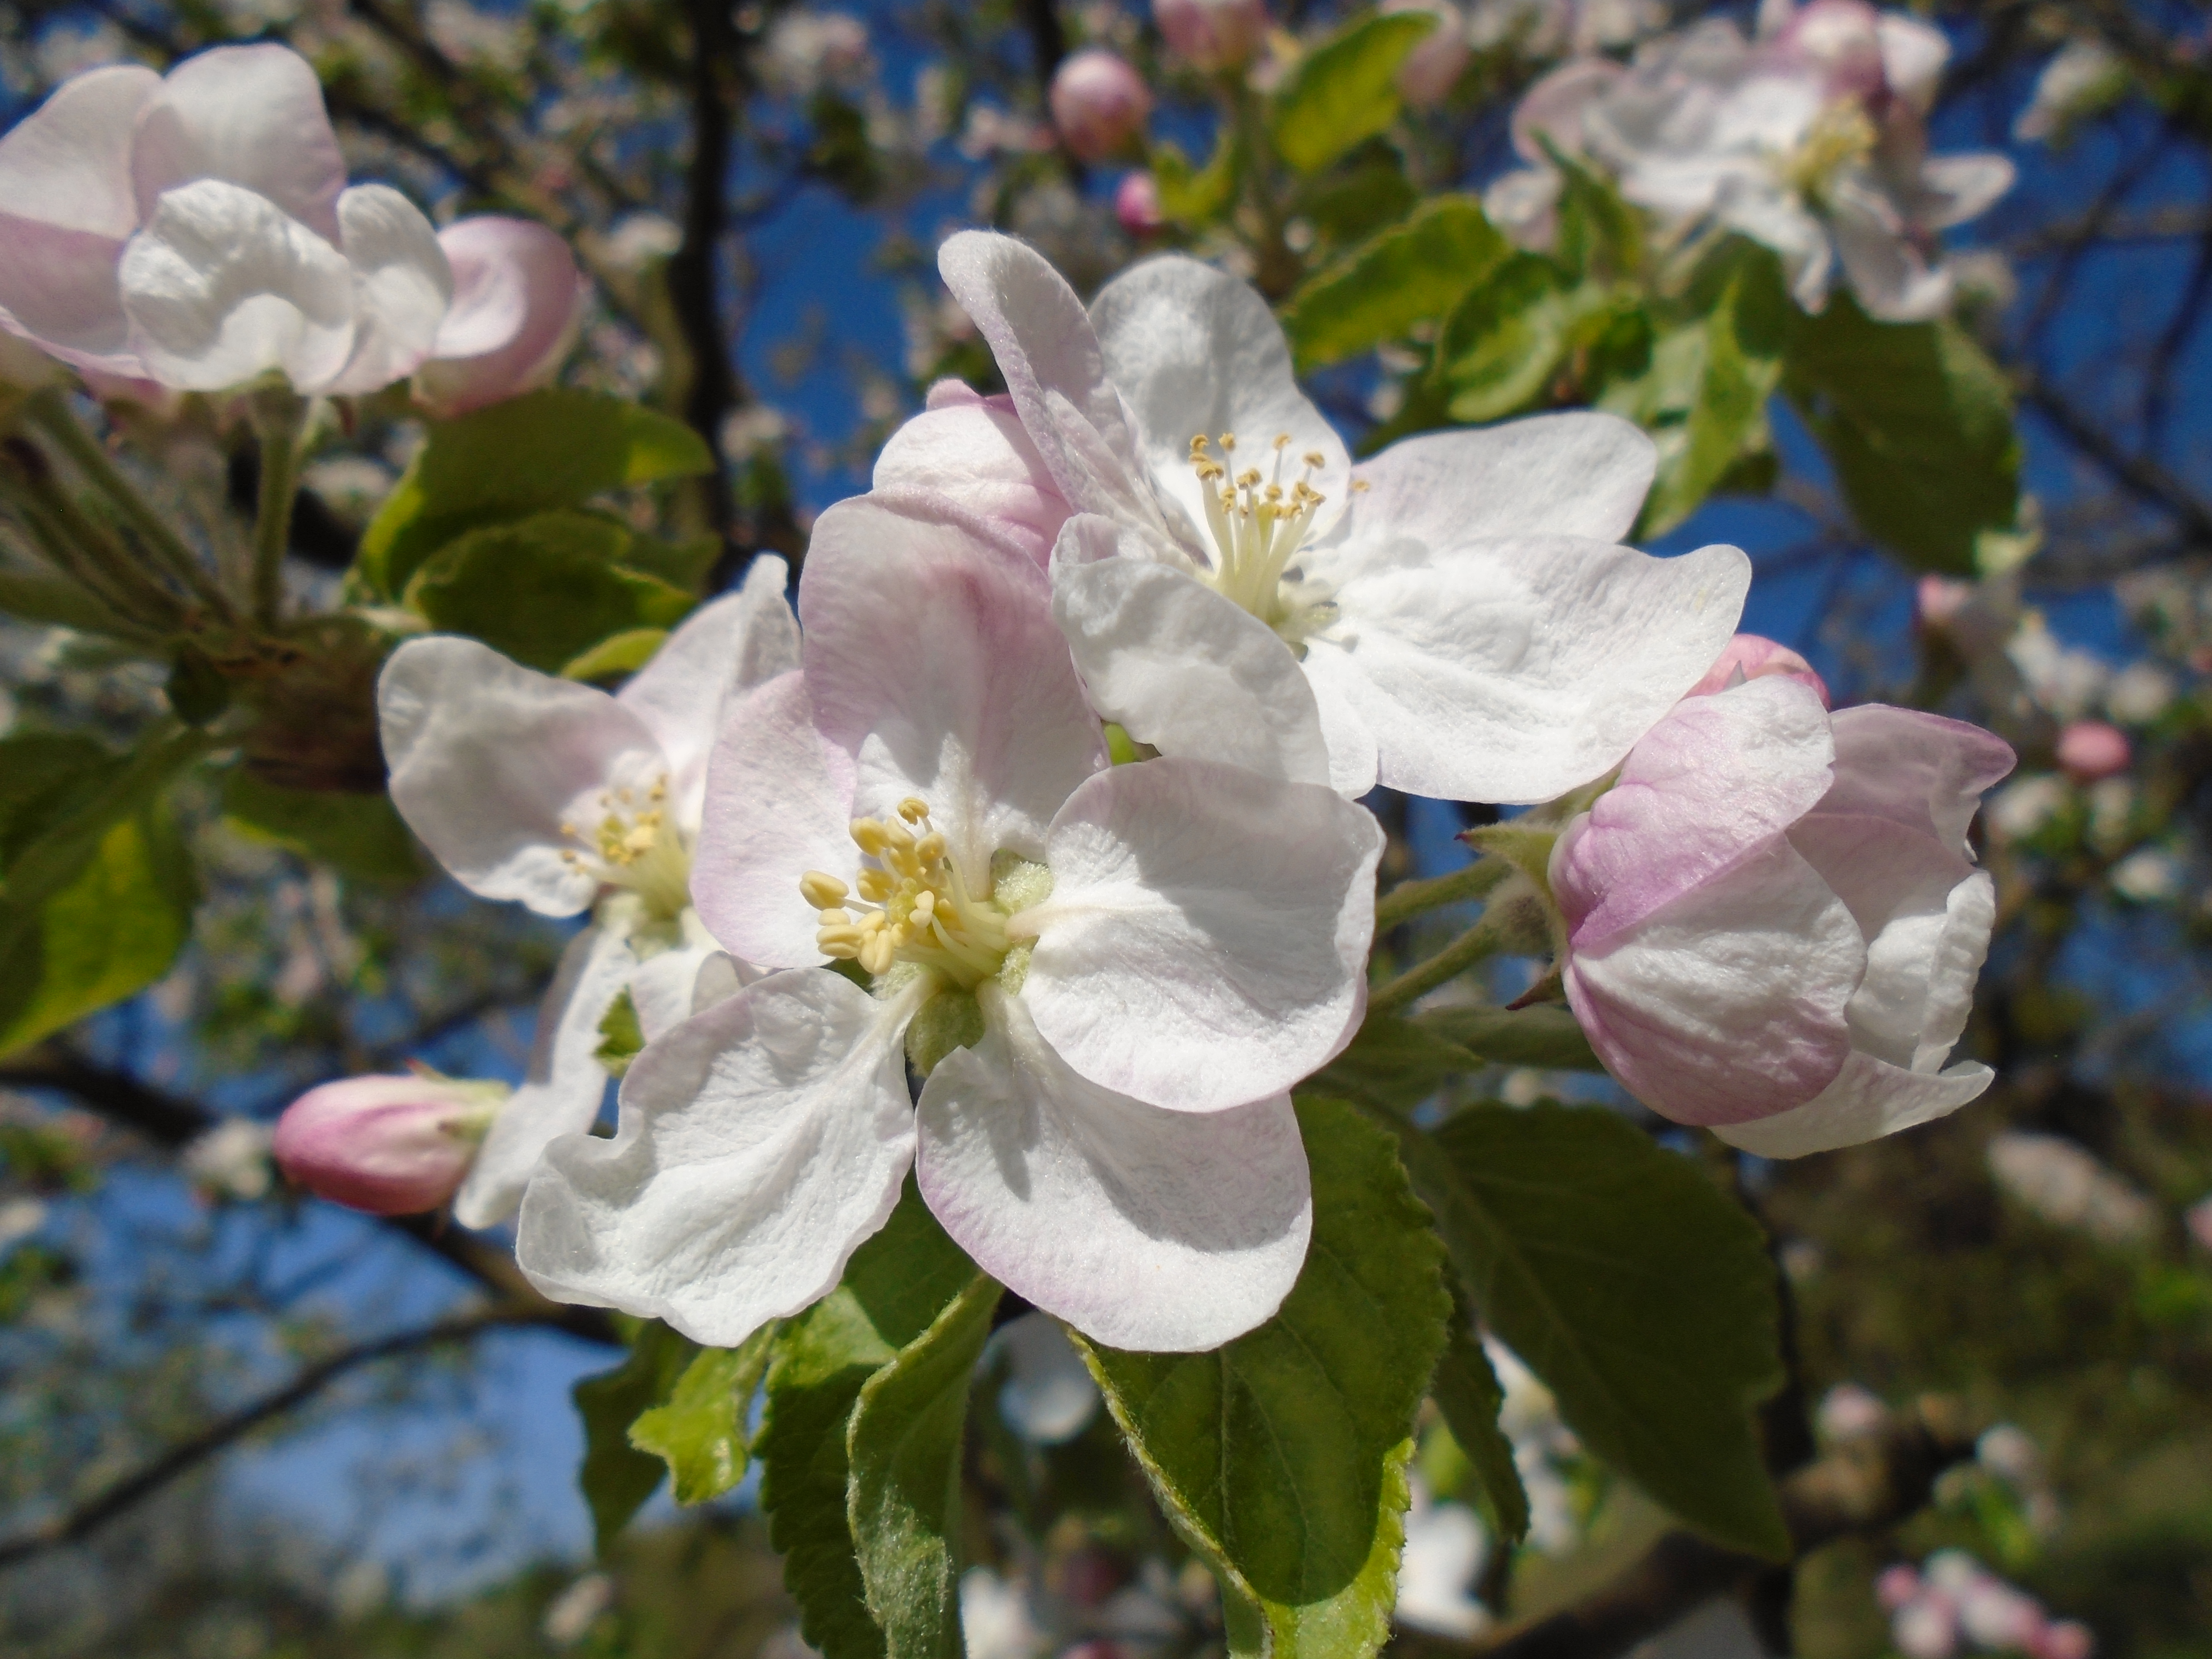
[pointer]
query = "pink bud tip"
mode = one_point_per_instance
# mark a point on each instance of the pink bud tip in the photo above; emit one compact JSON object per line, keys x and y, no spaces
{"x":1099,"y":104}
{"x":1897,"y":1585}
{"x":1137,"y":204}
{"x":1432,"y":69}
{"x":1212,"y":35}
{"x":2090,"y":749}
{"x":2066,"y":1639}
{"x":1942,"y":600}
{"x":1926,"y":1629}
{"x":390,"y":1146}
{"x":1751,"y":657}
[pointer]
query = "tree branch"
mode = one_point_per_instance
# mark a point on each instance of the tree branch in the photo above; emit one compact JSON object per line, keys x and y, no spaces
{"x":693,"y":288}
{"x":2139,"y":475}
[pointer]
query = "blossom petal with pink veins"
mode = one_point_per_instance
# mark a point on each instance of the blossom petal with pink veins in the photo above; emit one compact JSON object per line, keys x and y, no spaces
{"x":222,"y":287}
{"x":489,"y":760}
{"x":517,"y":297}
{"x":934,"y":660}
{"x":1206,"y":933}
{"x":1956,"y":188}
{"x":401,"y":286}
{"x":562,"y":1090}
{"x":723,"y":650}
{"x":1193,"y":351}
{"x":1516,"y":670}
{"x":779,"y":803}
{"x":1729,"y":1003}
{"x":1575,"y":474}
{"x":1711,"y":786}
{"x":1177,"y":665}
{"x":977,"y":450}
{"x":1918,"y":769}
{"x":759,"y":1144}
{"x":1149,"y":1230}
{"x":1869,"y":1098}
{"x":1043,"y":339}
{"x":250,"y":116}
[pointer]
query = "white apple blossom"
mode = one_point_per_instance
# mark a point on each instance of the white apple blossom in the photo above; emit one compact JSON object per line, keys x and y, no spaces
{"x":566,"y":799}
{"x":1454,"y":618}
{"x":1110,"y":977}
{"x":196,"y":230}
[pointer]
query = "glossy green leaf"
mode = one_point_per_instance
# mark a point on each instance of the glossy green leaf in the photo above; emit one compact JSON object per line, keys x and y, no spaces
{"x":1707,"y":393}
{"x":1917,"y":422}
{"x":1344,"y":90}
{"x":1467,"y":1391}
{"x":622,"y":653}
{"x":1282,"y":1456}
{"x":1195,"y":195}
{"x":1411,"y":273}
{"x":894,"y":1289}
{"x":1501,"y":347}
{"x":1640,"y":1293}
{"x":1365,"y":192}
{"x":362,"y":837}
{"x":543,"y":591}
{"x":904,"y":1501}
{"x":699,"y":1432}
{"x":617,"y":1478}
{"x":557,"y":447}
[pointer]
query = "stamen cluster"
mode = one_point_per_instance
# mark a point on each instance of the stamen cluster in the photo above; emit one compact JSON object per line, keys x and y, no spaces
{"x":912,"y":904}
{"x":633,"y":846}
{"x":1258,"y":522}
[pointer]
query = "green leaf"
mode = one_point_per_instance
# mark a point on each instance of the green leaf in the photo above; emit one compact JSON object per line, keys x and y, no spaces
{"x":683,"y":564}
{"x":1392,"y":1063}
{"x":1411,"y":273}
{"x":1195,"y":197}
{"x":621,"y":1035}
{"x":1599,"y":234}
{"x":1344,"y":90}
{"x":1282,"y":1456}
{"x":701,"y":1432}
{"x":543,"y":591}
{"x":1467,"y":1391}
{"x":1634,"y":1287}
{"x":904,"y":1502}
{"x":362,"y":837}
{"x":1918,"y":424}
{"x":1501,"y":347}
{"x":1718,"y":376}
{"x":1358,"y":196}
{"x":894,"y":1289}
{"x":617,"y":1478}
{"x":622,"y":654}
{"x":1546,"y":1036}
{"x":552,"y":448}
{"x":51,"y":600}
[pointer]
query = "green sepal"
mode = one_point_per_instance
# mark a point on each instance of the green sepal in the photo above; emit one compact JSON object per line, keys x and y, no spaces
{"x":621,"y":1036}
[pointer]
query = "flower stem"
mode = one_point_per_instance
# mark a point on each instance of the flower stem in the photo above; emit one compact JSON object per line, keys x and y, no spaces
{"x":1410,"y":898}
{"x":1485,"y":939}
{"x":77,"y":547}
{"x":278,"y":417}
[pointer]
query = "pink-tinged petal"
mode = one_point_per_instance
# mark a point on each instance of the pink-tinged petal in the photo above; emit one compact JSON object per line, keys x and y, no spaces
{"x":1920,"y":770}
{"x":1884,"y":259}
{"x":222,"y":287}
{"x":779,"y":803}
{"x":976,"y":451}
{"x":760,"y":1143}
{"x":1768,"y":212}
{"x":2089,"y":751}
{"x":1913,"y":54}
{"x":517,"y":299}
{"x":490,"y":759}
{"x":1869,"y":1098}
{"x":1515,"y":671}
{"x":67,"y":164}
{"x":1576,"y":474}
{"x":1177,"y":665}
{"x":1552,"y":110}
{"x":1956,"y":188}
{"x":386,"y":1145}
{"x":60,"y":289}
{"x":1196,"y":352}
{"x":401,"y":286}
{"x":934,"y":661}
{"x":1714,"y":784}
{"x":1042,"y":340}
{"x":1729,"y":1003}
{"x":1206,"y":938}
{"x":722,"y":651}
{"x":1148,"y":1230}
{"x":564,"y":1085}
{"x":1753,"y":656}
{"x":250,"y":116}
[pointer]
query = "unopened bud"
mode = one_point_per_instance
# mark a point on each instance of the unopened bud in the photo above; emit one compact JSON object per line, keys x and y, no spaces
{"x":1212,"y":35}
{"x":1137,"y":204}
{"x":389,"y":1145}
{"x":1752,"y":657}
{"x":2090,"y":749}
{"x":1099,"y":104}
{"x":1432,"y":69}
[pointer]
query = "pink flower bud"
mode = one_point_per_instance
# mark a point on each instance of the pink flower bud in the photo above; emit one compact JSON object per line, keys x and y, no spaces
{"x":1941,"y":600}
{"x":2199,"y":1222}
{"x":1212,"y":35}
{"x":1898,"y":1585}
{"x":2066,"y":1639}
{"x":517,"y":297}
{"x":390,"y":1146}
{"x":1926,"y":1629}
{"x":1751,"y":657}
{"x":1840,"y":39}
{"x":1432,"y":69}
{"x":1099,"y":104}
{"x":2090,"y":749}
{"x":1137,"y":204}
{"x":1996,"y":1615}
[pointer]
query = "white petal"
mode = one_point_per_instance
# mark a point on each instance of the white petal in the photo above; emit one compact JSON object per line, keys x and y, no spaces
{"x":1869,"y":1099}
{"x":1148,"y":1230}
{"x":977,"y":450}
{"x":565,"y":1084}
{"x":250,"y":116}
{"x":1889,"y":271}
{"x":760,"y":1143}
{"x":1913,"y":54}
{"x":1194,"y":350}
{"x":1770,"y":213}
{"x":1956,"y":188}
{"x":1918,"y":769}
{"x":1338,"y":689}
{"x":517,"y":300}
{"x":1206,"y":934}
{"x":723,"y":650}
{"x":222,"y":287}
{"x":489,"y":759}
{"x":1576,"y":474}
{"x":1515,"y":671}
{"x":934,"y":659}
{"x":401,"y":286}
{"x":1180,"y":667}
{"x":665,"y":989}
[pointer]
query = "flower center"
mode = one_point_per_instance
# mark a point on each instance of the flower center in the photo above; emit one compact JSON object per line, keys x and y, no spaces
{"x":1841,"y":136}
{"x":634,"y":847}
{"x":909,"y":903}
{"x":1258,"y":522}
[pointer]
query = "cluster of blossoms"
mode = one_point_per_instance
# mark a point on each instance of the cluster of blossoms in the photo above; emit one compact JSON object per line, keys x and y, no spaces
{"x":1952,"y":1602}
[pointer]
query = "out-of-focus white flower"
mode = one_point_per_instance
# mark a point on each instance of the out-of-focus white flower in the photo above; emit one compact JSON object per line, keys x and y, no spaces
{"x":994,"y":1617}
{"x":571,"y":1615}
{"x":2064,"y":679}
{"x":1049,"y":1395}
{"x":1847,"y":1411}
{"x":2066,"y":1185}
{"x":2199,"y":1222}
{"x":1926,"y":1628}
{"x":1212,"y":35}
{"x":1445,"y":1548}
{"x":2140,"y":693}
{"x":232,"y":1160}
{"x":19,"y":1218}
{"x":2083,"y":78}
{"x":2148,"y":877}
{"x":810,"y":50}
{"x":2024,"y":806}
{"x":640,"y":239}
{"x":2007,"y":1451}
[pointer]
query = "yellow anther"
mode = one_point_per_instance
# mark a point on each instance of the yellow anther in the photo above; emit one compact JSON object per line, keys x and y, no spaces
{"x":834,"y":916}
{"x":822,"y":888}
{"x":924,"y":904}
{"x":898,"y":838}
{"x":841,"y":941}
{"x":877,"y":953}
{"x":1197,"y":445}
{"x":1314,"y":458}
{"x":1360,"y":486}
{"x":930,"y":850}
{"x":869,"y":836}
{"x":1282,"y":441}
{"x":1229,"y":441}
{"x":914,"y":809}
{"x":1248,"y":477}
{"x":876,"y":885}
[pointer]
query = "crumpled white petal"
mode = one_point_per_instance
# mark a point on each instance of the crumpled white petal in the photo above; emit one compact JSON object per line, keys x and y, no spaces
{"x":1150,"y":1231}
{"x":1206,"y":938}
{"x":1578,"y":473}
{"x":401,"y":286}
{"x":974,"y":448}
{"x":249,"y":116}
{"x":1869,"y":1099}
{"x":760,"y":1142}
{"x":517,"y":298}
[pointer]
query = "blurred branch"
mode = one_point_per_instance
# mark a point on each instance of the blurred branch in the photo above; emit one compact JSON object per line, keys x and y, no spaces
{"x":180,"y":1460}
{"x":1865,"y":1485}
{"x":693,"y":291}
{"x":2140,"y":475}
